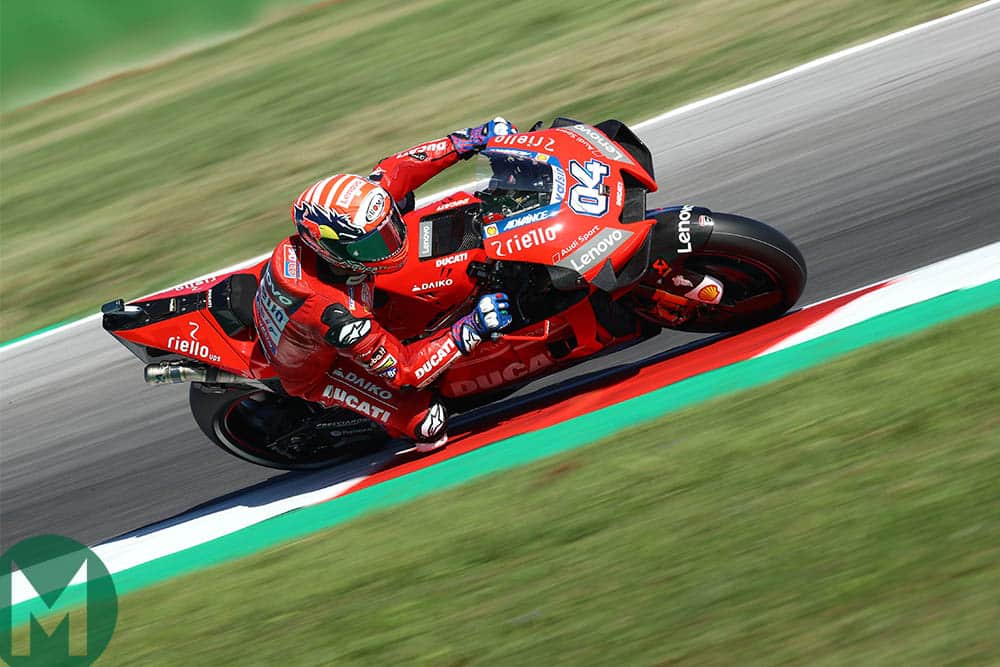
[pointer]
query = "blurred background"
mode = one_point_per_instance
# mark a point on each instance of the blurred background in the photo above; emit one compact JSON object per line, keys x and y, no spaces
{"x":133,"y":178}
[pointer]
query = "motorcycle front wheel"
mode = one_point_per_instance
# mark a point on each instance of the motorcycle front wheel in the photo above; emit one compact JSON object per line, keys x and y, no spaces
{"x":763,"y":274}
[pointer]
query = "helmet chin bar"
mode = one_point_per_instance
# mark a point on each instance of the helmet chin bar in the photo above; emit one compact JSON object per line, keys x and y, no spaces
{"x":346,"y":268}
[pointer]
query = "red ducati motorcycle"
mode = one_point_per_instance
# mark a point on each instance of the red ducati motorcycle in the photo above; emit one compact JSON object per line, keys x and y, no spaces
{"x":560,"y":224}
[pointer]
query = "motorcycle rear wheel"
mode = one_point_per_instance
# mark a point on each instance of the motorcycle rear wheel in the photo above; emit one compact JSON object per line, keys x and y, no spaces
{"x":273,"y":430}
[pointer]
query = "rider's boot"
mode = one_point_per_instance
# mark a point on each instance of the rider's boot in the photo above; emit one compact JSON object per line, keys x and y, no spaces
{"x":430,"y":428}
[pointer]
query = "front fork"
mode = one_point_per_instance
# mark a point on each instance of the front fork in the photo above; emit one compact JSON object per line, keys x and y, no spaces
{"x":680,"y":231}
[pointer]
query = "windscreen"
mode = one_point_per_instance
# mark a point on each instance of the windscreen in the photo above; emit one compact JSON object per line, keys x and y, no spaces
{"x":516,"y":181}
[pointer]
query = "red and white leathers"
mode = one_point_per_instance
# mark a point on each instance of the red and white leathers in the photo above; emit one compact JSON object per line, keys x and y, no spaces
{"x":318,"y":332}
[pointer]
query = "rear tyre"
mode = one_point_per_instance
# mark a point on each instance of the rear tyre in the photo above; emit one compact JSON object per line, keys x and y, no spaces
{"x":279,"y":431}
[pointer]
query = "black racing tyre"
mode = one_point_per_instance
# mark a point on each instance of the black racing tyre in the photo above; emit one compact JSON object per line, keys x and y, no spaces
{"x":762,"y":272}
{"x":279,"y":431}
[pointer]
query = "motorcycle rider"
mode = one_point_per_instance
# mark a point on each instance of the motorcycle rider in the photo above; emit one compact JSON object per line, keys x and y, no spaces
{"x":313,"y":309}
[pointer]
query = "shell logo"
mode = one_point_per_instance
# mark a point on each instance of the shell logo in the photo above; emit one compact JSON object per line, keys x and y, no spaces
{"x":708,"y":293}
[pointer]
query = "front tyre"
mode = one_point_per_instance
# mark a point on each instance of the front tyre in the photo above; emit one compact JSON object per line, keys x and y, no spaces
{"x":763,"y":274}
{"x":278,"y":431}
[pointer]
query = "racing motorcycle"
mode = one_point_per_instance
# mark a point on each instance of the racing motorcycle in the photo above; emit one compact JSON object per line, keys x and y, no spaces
{"x":560,"y":224}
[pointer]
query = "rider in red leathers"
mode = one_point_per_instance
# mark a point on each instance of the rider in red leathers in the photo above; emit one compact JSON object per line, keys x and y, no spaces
{"x":313,"y":309}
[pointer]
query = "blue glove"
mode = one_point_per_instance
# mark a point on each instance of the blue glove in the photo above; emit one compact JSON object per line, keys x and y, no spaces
{"x":473,"y":139}
{"x":491,"y":314}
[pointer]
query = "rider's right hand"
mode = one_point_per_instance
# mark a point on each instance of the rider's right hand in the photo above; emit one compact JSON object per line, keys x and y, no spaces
{"x":491,"y":314}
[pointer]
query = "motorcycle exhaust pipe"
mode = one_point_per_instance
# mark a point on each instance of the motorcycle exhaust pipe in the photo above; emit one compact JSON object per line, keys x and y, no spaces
{"x":173,"y":372}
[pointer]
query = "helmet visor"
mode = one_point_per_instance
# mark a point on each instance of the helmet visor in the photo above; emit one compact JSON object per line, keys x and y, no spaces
{"x":381,"y":244}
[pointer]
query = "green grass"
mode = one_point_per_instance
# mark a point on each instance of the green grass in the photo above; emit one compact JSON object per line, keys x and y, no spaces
{"x":152,"y":177}
{"x":846,"y":515}
{"x":46,"y":47}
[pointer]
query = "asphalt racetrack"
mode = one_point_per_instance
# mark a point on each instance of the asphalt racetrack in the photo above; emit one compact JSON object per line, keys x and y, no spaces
{"x":875,"y":164}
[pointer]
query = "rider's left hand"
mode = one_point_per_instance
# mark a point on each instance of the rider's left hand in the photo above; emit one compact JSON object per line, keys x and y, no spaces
{"x":491,"y":314}
{"x":474,"y":139}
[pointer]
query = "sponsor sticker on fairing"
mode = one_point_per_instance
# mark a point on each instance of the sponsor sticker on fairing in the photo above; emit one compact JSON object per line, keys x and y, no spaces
{"x":426,"y":237}
{"x":558,"y":185}
{"x":684,"y":229}
{"x":510,"y":373}
{"x":599,"y":142}
{"x":185,"y":287}
{"x":526,"y":140}
{"x":576,"y":243}
{"x":530,"y":218}
{"x":448,"y":205}
{"x":448,"y":260}
{"x":708,"y":293}
{"x":434,"y":284}
{"x":532,"y":238}
{"x":191,"y":345}
{"x":602,"y":245}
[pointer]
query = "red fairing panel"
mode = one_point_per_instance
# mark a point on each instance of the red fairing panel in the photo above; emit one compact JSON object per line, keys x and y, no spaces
{"x":196,"y":335}
{"x":580,"y":229}
{"x":428,"y":293}
{"x":528,"y":353}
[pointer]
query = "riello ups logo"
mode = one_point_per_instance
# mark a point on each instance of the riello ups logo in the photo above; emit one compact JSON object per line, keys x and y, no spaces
{"x":57,"y":603}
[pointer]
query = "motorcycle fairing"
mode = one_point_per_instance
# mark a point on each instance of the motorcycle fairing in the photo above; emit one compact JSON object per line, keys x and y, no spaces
{"x":582,"y":227}
{"x":189,"y":321}
{"x":437,"y":285}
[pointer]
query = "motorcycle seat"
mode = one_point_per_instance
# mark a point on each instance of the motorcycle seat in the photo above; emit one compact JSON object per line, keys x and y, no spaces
{"x":232,"y":302}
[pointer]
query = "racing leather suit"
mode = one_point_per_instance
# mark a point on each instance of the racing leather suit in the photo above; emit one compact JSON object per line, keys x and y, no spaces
{"x":318,"y":332}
